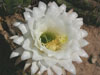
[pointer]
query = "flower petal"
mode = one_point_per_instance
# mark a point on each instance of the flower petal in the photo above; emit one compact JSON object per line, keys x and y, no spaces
{"x":42,"y":7}
{"x":31,"y":26}
{"x":28,"y":10}
{"x":17,"y":24}
{"x":83,"y":33}
{"x":17,"y":52}
{"x":68,"y":66}
{"x":76,"y":58}
{"x":75,"y":45}
{"x":72,"y":16}
{"x":14,"y":54}
{"x":22,"y":28}
{"x":36,"y":55}
{"x":49,"y":71}
{"x":77,"y":23}
{"x":26,"y":55}
{"x":34,"y":68}
{"x":27,"y":44}
{"x":57,"y":70}
{"x":62,"y":8}
{"x":53,"y":9}
{"x":50,"y":61}
{"x":27,"y":15}
{"x":27,"y":64}
{"x":37,"y":13}
{"x":82,"y":53}
{"x":83,"y":43}
{"x":14,"y":37}
{"x":18,"y":40}
{"x":42,"y":69}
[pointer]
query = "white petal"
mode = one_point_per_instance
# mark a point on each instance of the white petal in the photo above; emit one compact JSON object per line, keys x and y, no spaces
{"x":26,"y":55}
{"x":37,"y":13}
{"x":18,"y":40}
{"x":78,"y":22}
{"x":73,"y":16}
{"x":28,"y":63}
{"x":36,"y":55}
{"x":49,"y":71}
{"x":82,"y":53}
{"x":68,"y":66}
{"x":17,"y":23}
{"x":27,"y":15}
{"x":14,"y":37}
{"x":22,"y":28}
{"x":14,"y":54}
{"x":83,"y":43}
{"x":76,"y":58}
{"x":17,"y":52}
{"x":57,"y":70}
{"x":31,"y":24}
{"x":50,"y":61}
{"x":83,"y":33}
{"x":62,"y":7}
{"x":42,"y":6}
{"x":27,"y":44}
{"x":53,"y":5}
{"x":34,"y":68}
{"x":28,"y":10}
{"x":75,"y":45}
{"x":42,"y":69}
{"x":53,"y":9}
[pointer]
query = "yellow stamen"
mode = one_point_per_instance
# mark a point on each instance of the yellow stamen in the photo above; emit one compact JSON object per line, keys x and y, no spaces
{"x":54,"y":44}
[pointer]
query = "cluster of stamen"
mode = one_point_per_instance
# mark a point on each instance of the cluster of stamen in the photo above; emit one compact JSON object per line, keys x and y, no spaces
{"x":53,"y":41}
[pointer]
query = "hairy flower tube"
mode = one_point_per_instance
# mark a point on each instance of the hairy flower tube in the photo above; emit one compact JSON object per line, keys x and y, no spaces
{"x":51,"y":39}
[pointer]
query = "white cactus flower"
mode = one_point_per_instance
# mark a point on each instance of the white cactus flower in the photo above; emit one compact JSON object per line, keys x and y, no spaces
{"x":51,"y":39}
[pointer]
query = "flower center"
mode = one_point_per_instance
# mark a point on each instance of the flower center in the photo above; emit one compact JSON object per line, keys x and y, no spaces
{"x":53,"y":41}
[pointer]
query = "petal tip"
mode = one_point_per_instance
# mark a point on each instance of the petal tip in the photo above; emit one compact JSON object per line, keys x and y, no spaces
{"x":14,"y":54}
